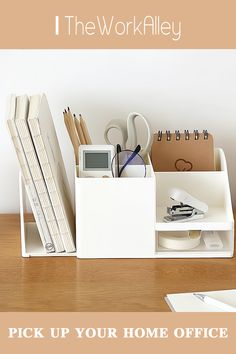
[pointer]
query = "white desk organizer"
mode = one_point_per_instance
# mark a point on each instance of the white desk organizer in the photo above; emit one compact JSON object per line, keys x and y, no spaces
{"x":31,"y":245}
{"x":123,"y":217}
{"x":115,"y":216}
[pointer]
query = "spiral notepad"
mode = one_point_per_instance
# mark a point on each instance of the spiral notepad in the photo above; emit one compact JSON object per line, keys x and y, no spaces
{"x":183,"y":151}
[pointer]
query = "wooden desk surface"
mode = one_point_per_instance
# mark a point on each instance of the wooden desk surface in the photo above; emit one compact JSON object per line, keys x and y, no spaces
{"x":70,"y":284}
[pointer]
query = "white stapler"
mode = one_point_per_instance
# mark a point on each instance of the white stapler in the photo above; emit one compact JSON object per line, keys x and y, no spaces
{"x":189,"y":208}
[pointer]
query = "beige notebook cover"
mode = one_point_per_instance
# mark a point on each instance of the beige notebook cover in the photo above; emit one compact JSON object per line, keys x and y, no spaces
{"x":50,"y":158}
{"x":183,"y":151}
{"x":21,"y":116}
{"x":28,"y":180}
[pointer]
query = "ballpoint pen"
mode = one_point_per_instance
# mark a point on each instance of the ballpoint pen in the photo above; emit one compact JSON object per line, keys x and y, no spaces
{"x":216,"y":303}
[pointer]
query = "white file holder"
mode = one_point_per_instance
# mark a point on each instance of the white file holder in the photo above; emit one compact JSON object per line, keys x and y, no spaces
{"x":115,"y":217}
{"x":31,"y":245}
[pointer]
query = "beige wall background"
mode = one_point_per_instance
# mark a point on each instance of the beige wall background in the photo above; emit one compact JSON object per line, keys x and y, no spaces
{"x":174,"y":89}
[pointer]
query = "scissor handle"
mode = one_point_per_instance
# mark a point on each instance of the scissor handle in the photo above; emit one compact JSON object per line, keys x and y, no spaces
{"x":132,"y":133}
{"x":119,"y":125}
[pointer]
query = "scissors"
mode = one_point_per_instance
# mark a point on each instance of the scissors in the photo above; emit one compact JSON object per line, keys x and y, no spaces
{"x":128,"y":132}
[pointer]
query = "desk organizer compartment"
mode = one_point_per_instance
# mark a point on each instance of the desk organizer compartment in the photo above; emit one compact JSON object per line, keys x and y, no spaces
{"x":115,"y":217}
{"x":200,"y":251}
{"x":31,"y":244}
{"x":212,"y":188}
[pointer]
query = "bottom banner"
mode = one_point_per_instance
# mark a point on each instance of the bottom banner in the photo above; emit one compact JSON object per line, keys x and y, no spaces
{"x":117,"y":332}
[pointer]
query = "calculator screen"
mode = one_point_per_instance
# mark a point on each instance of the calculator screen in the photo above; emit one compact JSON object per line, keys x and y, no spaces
{"x":96,"y":161}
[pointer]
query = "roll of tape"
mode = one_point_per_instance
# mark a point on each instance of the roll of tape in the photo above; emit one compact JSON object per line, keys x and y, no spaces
{"x":184,"y":240}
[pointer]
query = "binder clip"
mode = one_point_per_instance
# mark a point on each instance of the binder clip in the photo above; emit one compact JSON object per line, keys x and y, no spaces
{"x":188,"y":209}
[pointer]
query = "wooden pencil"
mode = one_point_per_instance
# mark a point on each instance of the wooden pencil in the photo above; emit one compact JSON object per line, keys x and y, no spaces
{"x":70,"y":125}
{"x":85,"y":130}
{"x":79,"y":131}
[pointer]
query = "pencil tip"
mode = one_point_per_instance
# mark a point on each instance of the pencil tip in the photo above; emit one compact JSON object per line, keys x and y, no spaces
{"x":74,"y":115}
{"x":80,"y":115}
{"x":68,"y":108}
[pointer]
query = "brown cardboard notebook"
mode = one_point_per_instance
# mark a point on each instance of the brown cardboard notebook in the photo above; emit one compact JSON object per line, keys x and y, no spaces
{"x":183,"y":151}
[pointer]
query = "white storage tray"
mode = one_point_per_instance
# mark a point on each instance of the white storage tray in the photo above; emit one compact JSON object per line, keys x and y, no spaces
{"x":212,"y":187}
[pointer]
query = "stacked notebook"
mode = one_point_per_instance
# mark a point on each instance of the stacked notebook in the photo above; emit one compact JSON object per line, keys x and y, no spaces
{"x":187,"y":302}
{"x":34,"y":137}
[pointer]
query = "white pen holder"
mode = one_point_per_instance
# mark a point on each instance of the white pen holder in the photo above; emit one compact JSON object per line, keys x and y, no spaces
{"x":115,"y":217}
